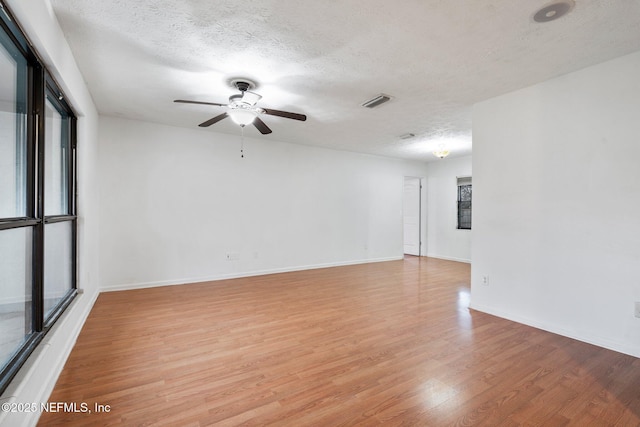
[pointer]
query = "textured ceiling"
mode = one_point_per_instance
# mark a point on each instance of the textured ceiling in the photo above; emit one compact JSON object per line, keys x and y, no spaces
{"x":436,"y":58}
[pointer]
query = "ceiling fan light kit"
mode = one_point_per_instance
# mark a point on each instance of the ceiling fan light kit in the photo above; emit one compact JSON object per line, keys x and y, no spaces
{"x":242,"y":116}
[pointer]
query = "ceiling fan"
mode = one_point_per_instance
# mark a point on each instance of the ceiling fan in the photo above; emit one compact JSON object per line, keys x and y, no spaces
{"x":242,"y":108}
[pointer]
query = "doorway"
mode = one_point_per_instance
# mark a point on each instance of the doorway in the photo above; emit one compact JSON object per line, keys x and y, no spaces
{"x":411,"y":215}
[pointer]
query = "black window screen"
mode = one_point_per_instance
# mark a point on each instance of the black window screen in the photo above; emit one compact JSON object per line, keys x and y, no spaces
{"x":464,"y":207}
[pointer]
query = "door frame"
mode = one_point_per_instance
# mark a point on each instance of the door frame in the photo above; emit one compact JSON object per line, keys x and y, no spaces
{"x":421,"y":199}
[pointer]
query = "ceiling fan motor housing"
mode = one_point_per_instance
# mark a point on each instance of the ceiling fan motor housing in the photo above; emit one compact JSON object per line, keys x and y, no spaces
{"x":242,"y":84}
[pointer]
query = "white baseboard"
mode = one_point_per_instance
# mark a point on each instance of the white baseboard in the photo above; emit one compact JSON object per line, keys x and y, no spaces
{"x":140,"y":285}
{"x":620,"y":347}
{"x":448,"y":258}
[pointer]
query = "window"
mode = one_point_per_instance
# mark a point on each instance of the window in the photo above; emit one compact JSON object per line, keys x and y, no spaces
{"x":464,"y":203}
{"x":37,"y":205}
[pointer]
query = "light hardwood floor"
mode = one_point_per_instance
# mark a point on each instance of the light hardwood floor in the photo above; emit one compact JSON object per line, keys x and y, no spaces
{"x":390,"y":343}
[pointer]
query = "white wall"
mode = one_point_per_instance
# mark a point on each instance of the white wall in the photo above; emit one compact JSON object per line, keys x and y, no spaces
{"x":36,"y":379}
{"x":176,"y":201}
{"x":556,"y":200}
{"x":444,"y":239}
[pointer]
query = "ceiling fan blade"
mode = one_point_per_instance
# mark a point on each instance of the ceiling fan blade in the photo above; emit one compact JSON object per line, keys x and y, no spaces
{"x":250,"y":97}
{"x":285,"y":114}
{"x":216,"y":119}
{"x":261,"y":126}
{"x":199,"y":102}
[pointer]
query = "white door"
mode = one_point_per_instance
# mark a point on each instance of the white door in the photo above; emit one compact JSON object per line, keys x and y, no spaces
{"x":411,"y":215}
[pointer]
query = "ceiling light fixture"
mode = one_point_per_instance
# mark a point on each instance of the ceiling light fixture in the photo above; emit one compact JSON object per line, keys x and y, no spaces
{"x":554,"y":11}
{"x":441,"y":152}
{"x":242,"y":116}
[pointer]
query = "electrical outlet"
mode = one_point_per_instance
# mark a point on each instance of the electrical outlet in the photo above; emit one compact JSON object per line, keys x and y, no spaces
{"x":485,"y":280}
{"x":233,"y":256}
{"x":637,"y":312}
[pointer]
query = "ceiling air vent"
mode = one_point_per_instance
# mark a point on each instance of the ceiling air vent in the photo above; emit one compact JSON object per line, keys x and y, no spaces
{"x":380,"y":99}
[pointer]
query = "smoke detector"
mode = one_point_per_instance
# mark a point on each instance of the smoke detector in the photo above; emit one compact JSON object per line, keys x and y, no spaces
{"x":554,"y":11}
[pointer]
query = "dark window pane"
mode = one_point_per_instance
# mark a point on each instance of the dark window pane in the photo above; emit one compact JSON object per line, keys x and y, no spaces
{"x":58,"y":264}
{"x":15,"y":290}
{"x":465,"y":193}
{"x":464,"y":207}
{"x":13,"y":157}
{"x":56,"y":168}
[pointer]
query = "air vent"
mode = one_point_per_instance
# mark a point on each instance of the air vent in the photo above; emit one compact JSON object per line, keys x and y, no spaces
{"x":380,"y":99}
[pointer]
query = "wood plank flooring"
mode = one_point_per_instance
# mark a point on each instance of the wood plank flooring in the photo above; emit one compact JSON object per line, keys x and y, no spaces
{"x":390,"y":344}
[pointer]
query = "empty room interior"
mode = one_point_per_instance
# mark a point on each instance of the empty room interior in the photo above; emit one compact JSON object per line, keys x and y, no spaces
{"x":319,"y":214}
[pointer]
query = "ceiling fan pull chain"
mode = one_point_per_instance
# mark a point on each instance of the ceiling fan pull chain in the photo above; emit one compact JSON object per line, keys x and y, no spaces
{"x":242,"y":142}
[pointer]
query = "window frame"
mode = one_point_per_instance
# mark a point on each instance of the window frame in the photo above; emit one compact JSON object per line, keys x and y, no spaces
{"x":40,"y":84}
{"x":464,"y":182}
